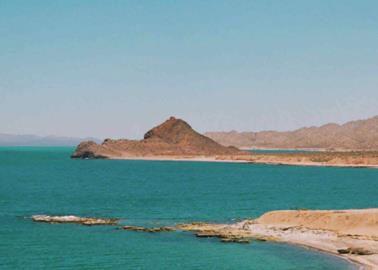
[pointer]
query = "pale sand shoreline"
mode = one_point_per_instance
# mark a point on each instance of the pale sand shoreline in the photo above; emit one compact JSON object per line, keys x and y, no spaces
{"x":195,"y":159}
{"x":290,"y":149}
{"x":317,"y":164}
{"x":313,"y":239}
{"x":327,"y":231}
{"x":349,"y":234}
{"x":245,"y":160}
{"x":346,"y":150}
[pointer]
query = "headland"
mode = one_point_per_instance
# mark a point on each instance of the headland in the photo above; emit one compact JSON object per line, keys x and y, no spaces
{"x":176,"y":140}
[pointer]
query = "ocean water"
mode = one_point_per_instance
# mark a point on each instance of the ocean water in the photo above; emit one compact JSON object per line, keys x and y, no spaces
{"x":154,"y":193}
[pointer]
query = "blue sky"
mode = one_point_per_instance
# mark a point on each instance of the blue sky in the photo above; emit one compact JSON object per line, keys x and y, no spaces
{"x":116,"y":68}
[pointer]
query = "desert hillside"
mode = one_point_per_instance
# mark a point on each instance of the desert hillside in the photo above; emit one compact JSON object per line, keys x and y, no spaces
{"x":354,"y":135}
{"x":174,"y":137}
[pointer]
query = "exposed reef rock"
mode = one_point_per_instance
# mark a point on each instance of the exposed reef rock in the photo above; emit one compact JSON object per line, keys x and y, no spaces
{"x":202,"y":230}
{"x":173,"y":138}
{"x":226,"y":233}
{"x":356,"y":250}
{"x":236,"y":240}
{"x":75,"y":219}
{"x":150,"y":230}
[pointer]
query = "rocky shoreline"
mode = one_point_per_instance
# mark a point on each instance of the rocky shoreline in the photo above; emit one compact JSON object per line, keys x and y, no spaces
{"x":349,"y":234}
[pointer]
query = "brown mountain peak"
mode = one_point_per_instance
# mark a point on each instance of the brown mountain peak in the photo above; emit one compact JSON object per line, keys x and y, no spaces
{"x":172,"y":130}
{"x":172,"y":138}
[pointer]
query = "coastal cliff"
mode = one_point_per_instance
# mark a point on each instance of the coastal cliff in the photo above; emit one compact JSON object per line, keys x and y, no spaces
{"x":173,"y":138}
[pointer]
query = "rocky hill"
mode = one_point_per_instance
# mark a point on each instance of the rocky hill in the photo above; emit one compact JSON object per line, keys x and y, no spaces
{"x":173,"y":138}
{"x":355,"y":135}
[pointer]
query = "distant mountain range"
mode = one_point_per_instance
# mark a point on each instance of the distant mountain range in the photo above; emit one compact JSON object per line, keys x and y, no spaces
{"x":354,"y":135}
{"x":33,"y":140}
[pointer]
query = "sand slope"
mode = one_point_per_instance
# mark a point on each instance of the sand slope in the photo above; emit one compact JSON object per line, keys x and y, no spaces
{"x":362,"y":222}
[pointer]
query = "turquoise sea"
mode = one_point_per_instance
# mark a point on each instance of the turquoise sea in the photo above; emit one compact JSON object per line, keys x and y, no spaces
{"x":153,"y":193}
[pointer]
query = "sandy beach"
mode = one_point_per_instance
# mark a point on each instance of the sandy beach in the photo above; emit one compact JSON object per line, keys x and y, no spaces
{"x":258,"y":159}
{"x":180,"y":158}
{"x":333,"y":159}
{"x":329,"y":231}
{"x":317,"y":164}
{"x":349,"y":234}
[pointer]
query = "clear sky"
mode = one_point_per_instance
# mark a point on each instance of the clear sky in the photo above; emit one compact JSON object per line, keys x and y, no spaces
{"x":116,"y":68}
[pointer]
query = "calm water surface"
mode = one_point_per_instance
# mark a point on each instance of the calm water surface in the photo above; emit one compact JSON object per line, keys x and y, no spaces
{"x":154,"y":193}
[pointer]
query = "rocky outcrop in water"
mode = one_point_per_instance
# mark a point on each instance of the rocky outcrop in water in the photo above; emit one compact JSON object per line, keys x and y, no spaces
{"x":150,"y":230}
{"x":356,"y":251}
{"x":89,"y":221}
